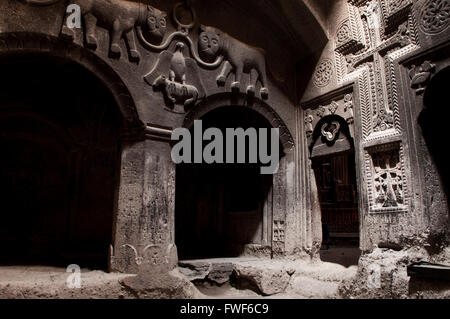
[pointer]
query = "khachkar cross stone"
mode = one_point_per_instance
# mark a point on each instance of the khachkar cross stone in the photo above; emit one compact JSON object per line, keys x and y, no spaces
{"x":382,"y":113}
{"x":388,"y":180}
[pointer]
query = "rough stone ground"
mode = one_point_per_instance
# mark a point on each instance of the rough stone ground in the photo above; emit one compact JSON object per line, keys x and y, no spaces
{"x":257,"y":278}
{"x":383,"y":274}
{"x":239,"y":278}
{"x":250,"y":278}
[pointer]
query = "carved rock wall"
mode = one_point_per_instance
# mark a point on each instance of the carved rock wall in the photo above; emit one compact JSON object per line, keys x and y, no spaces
{"x":164,"y":63}
{"x":385,"y":54}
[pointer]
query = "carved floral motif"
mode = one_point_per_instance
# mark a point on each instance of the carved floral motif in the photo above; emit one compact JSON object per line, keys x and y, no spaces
{"x":343,"y":34}
{"x":435,"y":16}
{"x":324,"y":73}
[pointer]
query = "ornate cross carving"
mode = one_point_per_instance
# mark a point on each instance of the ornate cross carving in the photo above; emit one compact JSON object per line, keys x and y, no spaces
{"x":382,"y":113}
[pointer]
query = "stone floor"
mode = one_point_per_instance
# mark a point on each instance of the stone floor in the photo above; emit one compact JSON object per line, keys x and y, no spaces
{"x":214,"y":278}
{"x":256,"y":278}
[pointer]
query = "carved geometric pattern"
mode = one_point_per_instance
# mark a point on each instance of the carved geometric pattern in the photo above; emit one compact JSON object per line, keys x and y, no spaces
{"x":278,"y":231}
{"x":357,"y":2}
{"x":343,"y":33}
{"x":435,"y":16}
{"x":348,"y":38}
{"x":387,"y":185}
{"x":339,"y":104}
{"x":394,"y":13}
{"x":324,"y":73}
{"x":374,"y":67}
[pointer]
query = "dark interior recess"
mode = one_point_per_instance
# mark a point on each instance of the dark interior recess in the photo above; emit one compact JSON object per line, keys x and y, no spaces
{"x":220,"y":207}
{"x":59,"y":129}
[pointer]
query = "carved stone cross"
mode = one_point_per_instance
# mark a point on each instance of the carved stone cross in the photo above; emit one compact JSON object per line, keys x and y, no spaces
{"x":380,"y":46}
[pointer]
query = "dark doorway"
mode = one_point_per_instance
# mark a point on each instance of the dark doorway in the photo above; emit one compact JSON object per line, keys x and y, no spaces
{"x":336,"y":182}
{"x":433,"y":121}
{"x":333,"y":162}
{"x":59,"y":129}
{"x":223,"y":208}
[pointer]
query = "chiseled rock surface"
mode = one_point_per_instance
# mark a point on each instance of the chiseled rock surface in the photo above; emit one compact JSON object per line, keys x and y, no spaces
{"x":270,"y":280}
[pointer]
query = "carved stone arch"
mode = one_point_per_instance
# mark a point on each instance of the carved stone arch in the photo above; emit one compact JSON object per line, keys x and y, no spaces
{"x":242,"y":100}
{"x":434,"y":89}
{"x":433,"y":123}
{"x":18,"y":43}
{"x":331,"y":135}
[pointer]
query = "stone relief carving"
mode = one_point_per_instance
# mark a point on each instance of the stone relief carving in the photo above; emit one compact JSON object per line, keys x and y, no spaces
{"x":173,"y":81}
{"x":120,"y":18}
{"x":278,"y":239}
{"x":394,"y":13}
{"x":384,"y":120}
{"x":308,"y":124}
{"x":343,"y":33}
{"x":240,"y":58}
{"x":348,"y":36}
{"x":278,"y":231}
{"x":320,"y":111}
{"x":387,"y":190}
{"x":435,"y":16}
{"x":323,"y":74}
{"x":340,"y":105}
{"x":357,"y":2}
{"x":329,"y":130}
{"x":333,"y":107}
{"x":421,"y":75}
{"x":348,"y":108}
{"x":177,"y":76}
{"x":150,"y":254}
{"x":388,"y":180}
{"x":391,"y":33}
{"x":178,"y":79}
{"x":139,"y":258}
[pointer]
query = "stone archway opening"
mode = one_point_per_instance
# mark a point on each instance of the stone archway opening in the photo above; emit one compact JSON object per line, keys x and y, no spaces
{"x":59,"y":137}
{"x":224,"y":210}
{"x":333,"y":162}
{"x":433,"y":121}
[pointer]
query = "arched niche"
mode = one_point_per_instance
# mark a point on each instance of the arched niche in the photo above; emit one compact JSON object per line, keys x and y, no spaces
{"x":433,"y":122}
{"x":274,"y":194}
{"x":331,"y":135}
{"x":334,"y":177}
{"x":60,"y":131}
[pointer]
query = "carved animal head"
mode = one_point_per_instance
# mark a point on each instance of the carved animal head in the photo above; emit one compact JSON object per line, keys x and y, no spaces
{"x":156,"y":23}
{"x":160,"y":82}
{"x":209,"y":42}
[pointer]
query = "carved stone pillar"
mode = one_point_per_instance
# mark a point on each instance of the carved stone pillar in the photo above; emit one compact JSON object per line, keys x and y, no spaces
{"x":144,"y":227}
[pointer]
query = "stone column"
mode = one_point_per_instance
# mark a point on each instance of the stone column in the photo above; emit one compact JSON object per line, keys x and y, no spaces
{"x":144,"y":226}
{"x":285,"y":221}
